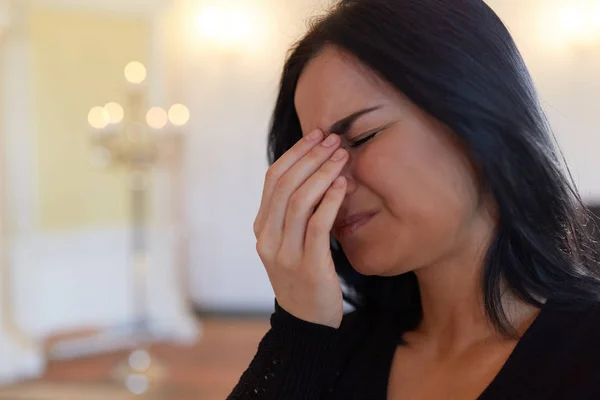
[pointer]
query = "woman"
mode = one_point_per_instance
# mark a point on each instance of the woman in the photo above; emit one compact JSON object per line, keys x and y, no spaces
{"x":410,"y":131}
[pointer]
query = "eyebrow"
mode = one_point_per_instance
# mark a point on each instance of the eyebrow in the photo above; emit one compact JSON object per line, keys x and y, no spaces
{"x":344,"y":125}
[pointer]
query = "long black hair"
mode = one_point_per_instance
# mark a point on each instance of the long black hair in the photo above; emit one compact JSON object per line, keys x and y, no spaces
{"x":456,"y":60}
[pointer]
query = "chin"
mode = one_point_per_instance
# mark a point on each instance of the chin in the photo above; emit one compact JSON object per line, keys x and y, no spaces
{"x":371,"y":265}
{"x":373,"y":269}
{"x":376,"y":262}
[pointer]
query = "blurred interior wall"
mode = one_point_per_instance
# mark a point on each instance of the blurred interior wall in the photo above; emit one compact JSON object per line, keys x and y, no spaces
{"x":70,"y":251}
{"x":20,"y":357}
{"x":230,"y":87}
{"x":77,"y":62}
{"x":70,"y":231}
{"x":560,"y":41}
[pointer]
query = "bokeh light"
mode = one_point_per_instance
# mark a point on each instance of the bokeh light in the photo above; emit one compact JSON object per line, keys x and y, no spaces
{"x":157,"y":118}
{"x":179,"y":114}
{"x":135,"y":72}
{"x":98,"y":118}
{"x":115,"y":112}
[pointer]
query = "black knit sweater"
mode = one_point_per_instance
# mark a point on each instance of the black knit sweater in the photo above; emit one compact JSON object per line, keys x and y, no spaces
{"x":557,"y":358}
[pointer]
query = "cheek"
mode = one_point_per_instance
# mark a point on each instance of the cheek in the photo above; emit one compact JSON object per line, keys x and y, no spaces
{"x":422,"y":180}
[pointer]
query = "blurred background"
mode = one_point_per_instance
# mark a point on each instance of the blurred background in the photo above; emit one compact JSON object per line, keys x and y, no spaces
{"x":133,"y":152}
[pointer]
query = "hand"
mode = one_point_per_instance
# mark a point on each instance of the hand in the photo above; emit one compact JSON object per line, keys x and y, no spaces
{"x":302,"y":194}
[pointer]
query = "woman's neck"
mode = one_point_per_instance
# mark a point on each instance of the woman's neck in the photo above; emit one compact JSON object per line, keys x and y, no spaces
{"x":454,"y":315}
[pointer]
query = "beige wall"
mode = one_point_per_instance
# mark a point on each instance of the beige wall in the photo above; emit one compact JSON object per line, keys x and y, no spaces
{"x":70,"y":268}
{"x":565,"y":68}
{"x":77,"y":62}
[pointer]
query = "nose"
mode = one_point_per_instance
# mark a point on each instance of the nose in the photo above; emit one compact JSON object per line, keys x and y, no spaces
{"x":347,"y":172}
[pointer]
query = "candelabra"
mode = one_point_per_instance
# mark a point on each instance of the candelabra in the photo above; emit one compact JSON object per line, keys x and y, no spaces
{"x":137,"y":138}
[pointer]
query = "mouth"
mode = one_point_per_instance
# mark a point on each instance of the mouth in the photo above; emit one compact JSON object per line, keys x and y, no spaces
{"x":353,"y":223}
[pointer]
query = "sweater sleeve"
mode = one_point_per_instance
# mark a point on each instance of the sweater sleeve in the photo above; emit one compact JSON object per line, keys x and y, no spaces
{"x":293,"y":361}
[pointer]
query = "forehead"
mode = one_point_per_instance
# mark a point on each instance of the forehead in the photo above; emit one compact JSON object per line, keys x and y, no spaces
{"x":334,"y":85}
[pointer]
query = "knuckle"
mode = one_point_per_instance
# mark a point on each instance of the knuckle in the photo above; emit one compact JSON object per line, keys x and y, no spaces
{"x":280,"y":194}
{"x":284,"y":261}
{"x":315,"y":154}
{"x":264,"y":249}
{"x":256,"y":228}
{"x":297,"y":203}
{"x":272,"y":174}
{"x":283,"y":184}
{"x":259,"y":247}
{"x":331,"y":167}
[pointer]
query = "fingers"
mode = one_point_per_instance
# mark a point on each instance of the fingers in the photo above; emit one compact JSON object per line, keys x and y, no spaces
{"x":302,"y":203}
{"x":289,"y":183}
{"x":278,"y":169}
{"x":320,"y":224}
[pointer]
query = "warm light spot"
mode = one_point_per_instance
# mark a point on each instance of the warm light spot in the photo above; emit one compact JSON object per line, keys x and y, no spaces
{"x":227,"y":27}
{"x":115,"y":112}
{"x":98,"y":118}
{"x":156,"y":118}
{"x":179,"y":114}
{"x":135,"y":72}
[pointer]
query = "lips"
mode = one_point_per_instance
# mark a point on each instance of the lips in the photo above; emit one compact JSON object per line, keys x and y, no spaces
{"x":353,"y":221}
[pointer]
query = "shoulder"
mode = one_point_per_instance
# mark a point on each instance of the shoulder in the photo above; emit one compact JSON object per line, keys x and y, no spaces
{"x":580,"y":320}
{"x":573,"y":325}
{"x":577,"y":326}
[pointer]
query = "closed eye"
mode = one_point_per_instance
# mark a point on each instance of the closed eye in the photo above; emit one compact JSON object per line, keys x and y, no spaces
{"x":362,"y":141}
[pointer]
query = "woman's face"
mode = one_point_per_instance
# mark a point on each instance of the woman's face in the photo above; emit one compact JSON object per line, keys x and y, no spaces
{"x":412,"y":173}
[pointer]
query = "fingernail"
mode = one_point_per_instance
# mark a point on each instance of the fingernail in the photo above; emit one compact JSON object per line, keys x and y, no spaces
{"x":338,"y":155}
{"x":330,"y":141}
{"x":315,"y":135}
